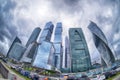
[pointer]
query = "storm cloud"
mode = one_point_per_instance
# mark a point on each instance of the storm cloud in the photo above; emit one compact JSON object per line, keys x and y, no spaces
{"x":7,"y":28}
{"x":20,"y":17}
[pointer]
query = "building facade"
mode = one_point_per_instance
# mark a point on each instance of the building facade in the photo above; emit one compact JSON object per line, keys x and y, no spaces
{"x":101,"y":44}
{"x":16,"y":40}
{"x":44,"y":57}
{"x":34,"y":36}
{"x":80,"y":57}
{"x":58,"y":57}
{"x":30,"y":52}
{"x":47,"y":32}
{"x":67,"y":53}
{"x":17,"y":51}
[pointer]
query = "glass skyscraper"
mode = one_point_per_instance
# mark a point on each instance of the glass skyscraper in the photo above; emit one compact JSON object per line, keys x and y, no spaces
{"x":17,"y":51}
{"x":44,"y":57}
{"x":101,"y":44}
{"x":67,"y":53}
{"x":47,"y":32}
{"x":58,"y":57}
{"x":30,"y":52}
{"x":80,"y":57}
{"x":16,"y":40}
{"x":33,"y":36}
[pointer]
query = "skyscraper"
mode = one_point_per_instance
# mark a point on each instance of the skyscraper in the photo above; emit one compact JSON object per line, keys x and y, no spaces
{"x":101,"y":44}
{"x":67,"y":53}
{"x":80,"y":57}
{"x":30,"y":52}
{"x":58,"y":46}
{"x":17,"y":51}
{"x":45,"y":51}
{"x":44,"y":56}
{"x":16,"y":40}
{"x":47,"y":32}
{"x":33,"y":36}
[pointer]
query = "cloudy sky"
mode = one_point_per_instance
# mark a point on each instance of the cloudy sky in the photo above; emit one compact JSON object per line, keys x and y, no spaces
{"x":20,"y":17}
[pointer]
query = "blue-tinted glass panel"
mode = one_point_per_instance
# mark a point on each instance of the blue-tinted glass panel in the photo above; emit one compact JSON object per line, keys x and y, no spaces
{"x":42,"y":56}
{"x":57,"y":48}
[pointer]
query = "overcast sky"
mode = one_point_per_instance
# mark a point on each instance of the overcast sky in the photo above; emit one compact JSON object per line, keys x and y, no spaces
{"x":20,"y":17}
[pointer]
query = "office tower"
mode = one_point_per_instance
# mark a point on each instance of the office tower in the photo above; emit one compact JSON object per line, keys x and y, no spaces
{"x":33,"y":36}
{"x":58,"y":46}
{"x":67,"y":53}
{"x":44,"y":56}
{"x":16,"y":40}
{"x":47,"y":32}
{"x":17,"y":51}
{"x":80,"y":57}
{"x":101,"y":44}
{"x":30,"y":52}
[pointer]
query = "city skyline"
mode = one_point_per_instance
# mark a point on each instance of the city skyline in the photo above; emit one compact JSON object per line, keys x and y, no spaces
{"x":20,"y":19}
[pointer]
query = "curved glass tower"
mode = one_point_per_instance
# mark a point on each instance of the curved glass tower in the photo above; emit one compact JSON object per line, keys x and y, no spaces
{"x":101,"y":44}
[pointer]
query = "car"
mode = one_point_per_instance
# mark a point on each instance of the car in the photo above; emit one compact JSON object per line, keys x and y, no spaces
{"x":113,"y":72}
{"x":83,"y":77}
{"x":110,"y":73}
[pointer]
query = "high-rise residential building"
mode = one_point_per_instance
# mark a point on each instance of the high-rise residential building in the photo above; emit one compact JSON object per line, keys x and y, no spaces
{"x":47,"y":32}
{"x":80,"y":57}
{"x":44,"y":57}
{"x":101,"y":44}
{"x":30,"y":52}
{"x":33,"y":36}
{"x":67,"y":53}
{"x":16,"y":40}
{"x":17,"y":51}
{"x":58,"y":57}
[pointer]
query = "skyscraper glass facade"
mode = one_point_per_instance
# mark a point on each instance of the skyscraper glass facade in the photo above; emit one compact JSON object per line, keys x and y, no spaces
{"x":30,"y":52}
{"x":58,"y":46}
{"x":16,"y":40}
{"x":44,"y":56}
{"x":67,"y":53}
{"x":17,"y":51}
{"x":102,"y":45}
{"x":80,"y":58}
{"x":47,"y":32}
{"x":33,"y":36}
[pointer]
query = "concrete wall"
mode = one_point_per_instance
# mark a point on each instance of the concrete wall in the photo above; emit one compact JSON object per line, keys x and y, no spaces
{"x":4,"y":72}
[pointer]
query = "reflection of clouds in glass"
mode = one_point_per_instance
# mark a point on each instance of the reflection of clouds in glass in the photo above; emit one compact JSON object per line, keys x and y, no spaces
{"x":57,"y":48}
{"x":42,"y":56}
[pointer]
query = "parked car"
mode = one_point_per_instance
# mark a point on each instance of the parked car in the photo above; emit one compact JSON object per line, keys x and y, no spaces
{"x":84,"y":77}
{"x":110,"y":74}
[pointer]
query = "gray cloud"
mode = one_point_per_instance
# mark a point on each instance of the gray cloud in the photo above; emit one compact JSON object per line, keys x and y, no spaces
{"x":7,"y":29}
